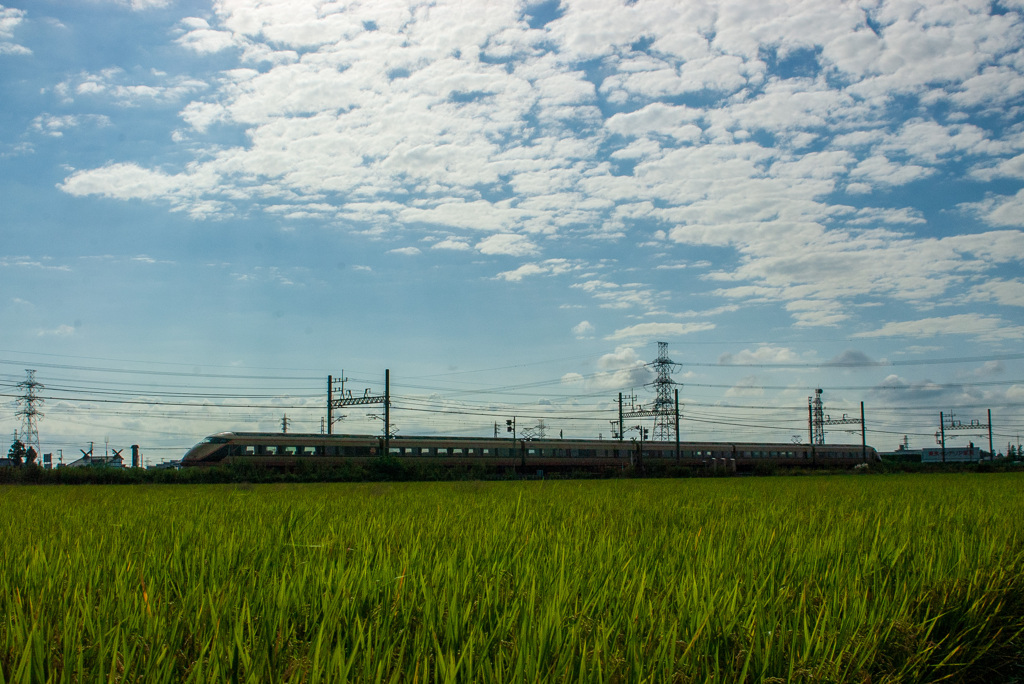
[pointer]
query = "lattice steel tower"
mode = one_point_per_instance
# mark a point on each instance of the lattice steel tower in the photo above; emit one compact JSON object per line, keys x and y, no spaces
{"x":816,"y":413}
{"x":664,"y":402}
{"x":28,"y":409}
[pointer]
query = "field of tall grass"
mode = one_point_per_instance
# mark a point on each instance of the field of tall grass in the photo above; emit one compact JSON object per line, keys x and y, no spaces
{"x":895,"y":578}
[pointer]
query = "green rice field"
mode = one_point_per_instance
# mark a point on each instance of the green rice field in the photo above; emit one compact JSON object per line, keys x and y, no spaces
{"x":806,"y":579}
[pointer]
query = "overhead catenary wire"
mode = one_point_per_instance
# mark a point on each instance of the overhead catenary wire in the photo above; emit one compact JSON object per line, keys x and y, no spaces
{"x":253,"y":395}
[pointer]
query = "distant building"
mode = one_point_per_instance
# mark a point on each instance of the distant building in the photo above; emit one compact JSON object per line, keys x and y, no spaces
{"x":968,"y":454}
{"x":165,"y":465}
{"x":901,"y":455}
{"x":114,"y":461}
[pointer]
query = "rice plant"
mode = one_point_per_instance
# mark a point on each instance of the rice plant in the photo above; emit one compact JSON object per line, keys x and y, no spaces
{"x":912,"y":578}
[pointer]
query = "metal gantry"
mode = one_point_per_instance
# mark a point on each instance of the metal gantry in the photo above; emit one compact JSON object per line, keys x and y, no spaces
{"x":949,"y":423}
{"x":368,"y":398}
{"x":817,"y":419}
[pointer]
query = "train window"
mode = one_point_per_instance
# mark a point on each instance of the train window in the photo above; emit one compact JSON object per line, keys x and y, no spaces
{"x":456,"y":452}
{"x":442,"y":451}
{"x":250,"y":450}
{"x":531,"y":452}
{"x":486,"y":452}
{"x":395,"y":451}
{"x":290,"y":450}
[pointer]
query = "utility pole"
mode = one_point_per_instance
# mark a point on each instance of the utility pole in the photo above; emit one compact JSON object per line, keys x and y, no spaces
{"x":678,"y":452}
{"x":332,"y":404}
{"x":284,"y":424}
{"x":942,"y":432}
{"x":991,"y":453}
{"x":621,"y":426}
{"x":387,"y":411}
{"x":863,"y":436}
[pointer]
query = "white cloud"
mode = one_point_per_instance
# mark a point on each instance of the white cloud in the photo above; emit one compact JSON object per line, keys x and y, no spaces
{"x":478,"y":215}
{"x":59,"y":331}
{"x":206,"y":41}
{"x":749,"y":386}
{"x":982,"y":326}
{"x":407,"y":251}
{"x":523,"y":271}
{"x":111,"y":83}
{"x":619,"y":370}
{"x":881,"y":171}
{"x":122,"y":181}
{"x":43,"y":263}
{"x":145,"y":4}
{"x":1005,"y":292}
{"x":1002,"y":210}
{"x":55,"y":126}
{"x":10,"y":18}
{"x":507,"y":244}
{"x":649,"y":331}
{"x":459,"y":120}
{"x":583,"y":330}
{"x":547,"y":267}
{"x":765,"y":354}
{"x":452,"y":244}
{"x":999,"y":168}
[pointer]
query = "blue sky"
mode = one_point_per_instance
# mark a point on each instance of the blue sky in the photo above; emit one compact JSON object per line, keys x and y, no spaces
{"x":209,"y":206}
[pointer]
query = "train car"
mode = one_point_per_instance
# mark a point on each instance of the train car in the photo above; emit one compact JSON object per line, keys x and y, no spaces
{"x":285,"y":450}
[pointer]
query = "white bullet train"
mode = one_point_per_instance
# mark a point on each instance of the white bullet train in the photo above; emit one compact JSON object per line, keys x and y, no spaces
{"x":288,"y":450}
